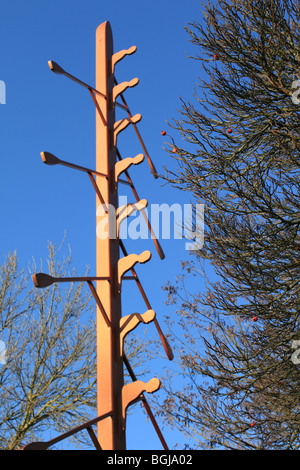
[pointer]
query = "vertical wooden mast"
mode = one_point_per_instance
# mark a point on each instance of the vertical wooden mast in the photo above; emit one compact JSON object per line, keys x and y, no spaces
{"x":113,"y":397}
{"x":111,"y":433}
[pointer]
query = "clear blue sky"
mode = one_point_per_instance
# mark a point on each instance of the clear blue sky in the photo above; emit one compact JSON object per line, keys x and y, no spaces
{"x":47,"y":112}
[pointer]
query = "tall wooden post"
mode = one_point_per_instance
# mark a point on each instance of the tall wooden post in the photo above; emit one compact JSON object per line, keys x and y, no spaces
{"x":113,"y":397}
{"x":111,"y":434}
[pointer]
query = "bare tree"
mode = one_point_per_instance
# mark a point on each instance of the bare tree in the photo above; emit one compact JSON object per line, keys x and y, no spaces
{"x":240,"y":158}
{"x":48,"y":375}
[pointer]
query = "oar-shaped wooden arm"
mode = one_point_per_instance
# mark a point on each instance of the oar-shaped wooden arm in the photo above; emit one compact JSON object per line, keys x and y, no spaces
{"x":88,"y":426}
{"x":45,"y":280}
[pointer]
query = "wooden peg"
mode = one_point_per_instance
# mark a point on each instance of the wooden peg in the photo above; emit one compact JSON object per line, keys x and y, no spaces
{"x":130,"y":322}
{"x":121,"y":54}
{"x":132,"y":391}
{"x":119,"y":126}
{"x":118,"y":89}
{"x":126,"y":263}
{"x":123,"y":165}
{"x":125,"y":211}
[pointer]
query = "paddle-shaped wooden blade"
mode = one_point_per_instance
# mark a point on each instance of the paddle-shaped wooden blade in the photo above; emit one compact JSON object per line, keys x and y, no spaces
{"x":59,"y":70}
{"x":36,"y":446}
{"x":55,"y":67}
{"x":42,"y":280}
{"x":49,"y":158}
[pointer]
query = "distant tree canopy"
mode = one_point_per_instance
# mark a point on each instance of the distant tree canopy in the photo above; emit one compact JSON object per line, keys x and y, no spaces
{"x":239,"y":155}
